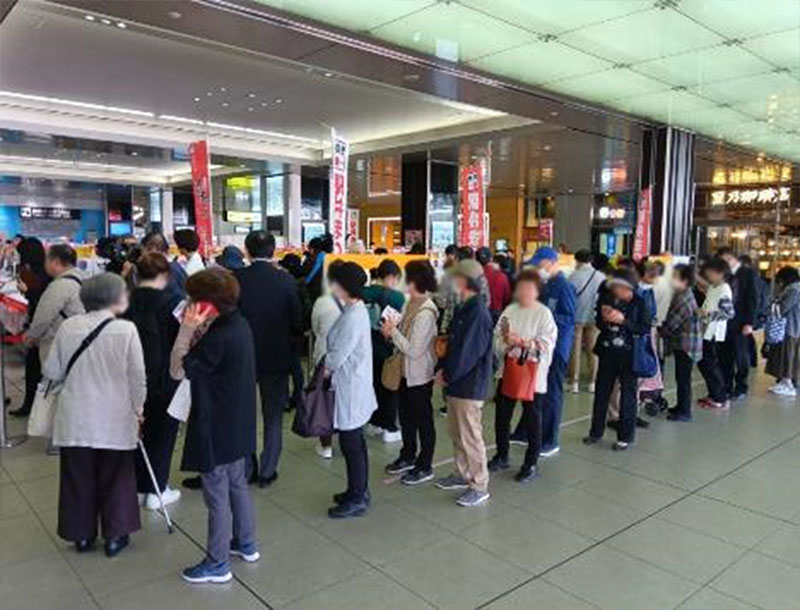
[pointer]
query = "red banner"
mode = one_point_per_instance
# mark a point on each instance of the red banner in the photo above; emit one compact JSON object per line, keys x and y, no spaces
{"x":201,"y":188}
{"x":473,"y":206}
{"x":338,"y":192}
{"x":641,"y":242}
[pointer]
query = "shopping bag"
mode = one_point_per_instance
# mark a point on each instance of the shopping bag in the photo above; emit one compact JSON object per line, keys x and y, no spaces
{"x":645,"y":363}
{"x":181,"y":402}
{"x":774,"y":326}
{"x":519,"y":377}
{"x":392,"y":372}
{"x":314,"y":415}
{"x":43,"y":410}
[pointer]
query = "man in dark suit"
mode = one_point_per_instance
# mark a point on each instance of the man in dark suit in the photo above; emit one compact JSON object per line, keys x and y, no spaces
{"x":735,"y":358}
{"x":270,"y":303}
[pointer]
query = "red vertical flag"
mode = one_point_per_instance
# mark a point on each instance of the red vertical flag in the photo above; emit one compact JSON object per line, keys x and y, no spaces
{"x":473,"y":206}
{"x":201,"y":189}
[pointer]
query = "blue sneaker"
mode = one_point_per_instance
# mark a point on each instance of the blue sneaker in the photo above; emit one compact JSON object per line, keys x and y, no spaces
{"x":206,"y":572}
{"x":248,"y":552}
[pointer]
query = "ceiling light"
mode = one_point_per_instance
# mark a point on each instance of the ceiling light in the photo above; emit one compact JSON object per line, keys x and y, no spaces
{"x":278,"y":101}
{"x":264,"y":104}
{"x":105,"y":21}
{"x":547,"y":147}
{"x":260,"y":132}
{"x":250,"y":109}
{"x":121,"y":25}
{"x":179,"y":119}
{"x":209,"y":93}
{"x":251,"y":95}
{"x":89,"y":17}
{"x":554,"y":113}
{"x":223,"y":89}
{"x":89,"y":105}
{"x":174,"y":15}
{"x":328,"y":74}
{"x":225,"y":104}
{"x":134,"y":153}
{"x":196,"y":99}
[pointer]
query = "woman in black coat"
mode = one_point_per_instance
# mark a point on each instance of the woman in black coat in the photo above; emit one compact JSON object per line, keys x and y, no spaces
{"x":214,"y":351}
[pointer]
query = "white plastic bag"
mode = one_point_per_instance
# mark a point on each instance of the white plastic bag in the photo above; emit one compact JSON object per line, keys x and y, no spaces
{"x":181,"y":402}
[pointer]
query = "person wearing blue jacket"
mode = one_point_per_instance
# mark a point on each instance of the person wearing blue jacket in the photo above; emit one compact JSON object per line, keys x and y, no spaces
{"x":558,"y":295}
{"x":466,"y":372}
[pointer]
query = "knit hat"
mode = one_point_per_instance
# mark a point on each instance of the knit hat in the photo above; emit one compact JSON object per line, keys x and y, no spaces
{"x":349,"y":276}
{"x":472,"y":271}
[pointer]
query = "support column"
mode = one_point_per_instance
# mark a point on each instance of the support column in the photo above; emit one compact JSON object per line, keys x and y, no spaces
{"x":415,"y":193}
{"x":293,"y":227}
{"x":167,"y":225}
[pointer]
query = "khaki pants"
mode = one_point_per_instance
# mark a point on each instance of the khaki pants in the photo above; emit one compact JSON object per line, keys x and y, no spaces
{"x":464,"y":421}
{"x":582,"y":345}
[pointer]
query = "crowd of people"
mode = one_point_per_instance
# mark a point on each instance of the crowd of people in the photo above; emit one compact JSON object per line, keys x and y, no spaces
{"x":232,"y":332}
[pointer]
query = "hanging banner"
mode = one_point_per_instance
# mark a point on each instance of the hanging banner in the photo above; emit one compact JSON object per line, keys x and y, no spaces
{"x":201,"y":189}
{"x":338,"y":192}
{"x":353,"y":215}
{"x":641,"y":242}
{"x":473,"y":206}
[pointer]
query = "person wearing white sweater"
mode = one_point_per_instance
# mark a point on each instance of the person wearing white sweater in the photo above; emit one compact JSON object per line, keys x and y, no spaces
{"x":526,"y":330}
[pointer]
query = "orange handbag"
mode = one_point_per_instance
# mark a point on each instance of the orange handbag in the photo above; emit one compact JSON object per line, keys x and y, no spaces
{"x":519,"y":377}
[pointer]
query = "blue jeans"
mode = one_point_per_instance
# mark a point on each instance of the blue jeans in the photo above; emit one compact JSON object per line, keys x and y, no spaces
{"x":550,"y":404}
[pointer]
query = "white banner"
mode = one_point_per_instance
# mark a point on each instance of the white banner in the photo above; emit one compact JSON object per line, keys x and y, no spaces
{"x":338,"y":192}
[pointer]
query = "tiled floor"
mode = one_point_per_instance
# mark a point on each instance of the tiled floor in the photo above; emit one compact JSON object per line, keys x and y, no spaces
{"x":697,"y":516}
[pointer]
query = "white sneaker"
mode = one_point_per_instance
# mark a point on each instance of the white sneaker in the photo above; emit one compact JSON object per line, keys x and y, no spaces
{"x":371,"y":430}
{"x":550,"y":452}
{"x":786,"y":390}
{"x":590,"y":388}
{"x":169,"y":495}
{"x":325,"y":453}
{"x":575,"y":388}
{"x":392,"y":437}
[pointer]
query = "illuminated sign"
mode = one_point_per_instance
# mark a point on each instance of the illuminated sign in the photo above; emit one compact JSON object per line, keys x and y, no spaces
{"x":49,"y":213}
{"x":245,"y":217}
{"x":758,"y":196}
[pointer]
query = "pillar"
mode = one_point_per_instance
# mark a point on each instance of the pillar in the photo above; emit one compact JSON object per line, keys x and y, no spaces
{"x":293,"y":226}
{"x":167,"y":224}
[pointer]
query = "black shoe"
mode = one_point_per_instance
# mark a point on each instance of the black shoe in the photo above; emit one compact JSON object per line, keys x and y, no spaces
{"x":267,"y":481}
{"x":192,"y":483}
{"x":590,"y":440}
{"x":21,"y":412}
{"x":527,"y":475}
{"x":115,"y":545}
{"x":400,"y":466}
{"x":341,"y":498}
{"x":443,"y":411}
{"x":613,"y":424}
{"x":642,"y":423}
{"x":675,"y":415}
{"x":347,"y":510}
{"x":84,"y":546}
{"x":417,"y":476}
{"x":497,"y":463}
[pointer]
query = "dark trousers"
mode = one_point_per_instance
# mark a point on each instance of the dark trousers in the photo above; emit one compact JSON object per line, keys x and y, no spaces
{"x":416,"y":418}
{"x":711,"y":369}
{"x":33,"y":375}
{"x":683,"y":380}
{"x":230,"y":510}
{"x":298,"y":380}
{"x":385,"y":416}
{"x":159,"y":432}
{"x":531,"y":422}
{"x":735,"y":362}
{"x":551,"y":406}
{"x":96,"y":483}
{"x":274,"y":390}
{"x":354,"y":449}
{"x":615,"y":365}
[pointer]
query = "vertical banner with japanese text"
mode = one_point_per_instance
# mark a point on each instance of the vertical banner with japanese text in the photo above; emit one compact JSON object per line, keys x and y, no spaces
{"x":338,"y":192}
{"x":353,"y":217}
{"x":641,"y":242}
{"x":473,"y":205}
{"x":201,"y":189}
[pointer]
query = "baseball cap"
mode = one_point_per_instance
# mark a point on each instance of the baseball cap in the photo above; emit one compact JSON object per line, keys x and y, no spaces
{"x":545,"y":253}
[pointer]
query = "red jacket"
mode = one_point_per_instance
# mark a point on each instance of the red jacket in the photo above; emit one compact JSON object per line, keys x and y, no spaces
{"x":499,"y":287}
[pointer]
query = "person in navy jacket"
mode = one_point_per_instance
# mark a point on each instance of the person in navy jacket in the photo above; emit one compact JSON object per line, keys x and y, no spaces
{"x":559,"y":296}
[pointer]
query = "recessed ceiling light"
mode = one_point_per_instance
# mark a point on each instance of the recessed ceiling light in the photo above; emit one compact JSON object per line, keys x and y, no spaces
{"x":547,"y":147}
{"x":105,"y":21}
{"x":134,"y":153}
{"x":174,"y":15}
{"x":196,"y":99}
{"x":223,"y":89}
{"x":89,"y":17}
{"x":225,"y":104}
{"x":251,"y":95}
{"x":264,"y":104}
{"x":278,"y":100}
{"x":121,"y":25}
{"x":554,"y":113}
{"x":209,"y":93}
{"x":328,"y":74}
{"x":250,"y":109}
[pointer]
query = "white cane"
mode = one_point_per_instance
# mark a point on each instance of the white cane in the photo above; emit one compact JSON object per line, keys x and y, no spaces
{"x":170,"y":529}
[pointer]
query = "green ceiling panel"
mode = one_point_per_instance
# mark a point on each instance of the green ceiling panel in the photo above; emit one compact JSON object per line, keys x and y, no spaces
{"x":743,"y":18}
{"x":607,"y":85}
{"x":664,"y":105}
{"x":782,"y":48}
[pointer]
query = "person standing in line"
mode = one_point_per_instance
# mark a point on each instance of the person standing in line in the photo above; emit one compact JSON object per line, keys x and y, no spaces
{"x":735,"y":358}
{"x":156,"y":242}
{"x":414,"y":338}
{"x":466,"y":373}
{"x":348,"y":363}
{"x":32,"y":282}
{"x":314,"y":263}
{"x":716,"y":312}
{"x":59,"y":301}
{"x":380,"y":294}
{"x":559,"y":296}
{"x":527,"y":328}
{"x":586,"y":280}
{"x":498,"y":282}
{"x":622,"y":314}
{"x":783,"y":359}
{"x":214,"y":351}
{"x":683,"y":338}
{"x":269,"y":302}
{"x":98,"y":360}
{"x":188,"y":242}
{"x":150,"y":309}
{"x":292,"y":263}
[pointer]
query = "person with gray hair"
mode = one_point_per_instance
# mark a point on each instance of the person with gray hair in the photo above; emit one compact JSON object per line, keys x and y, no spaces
{"x":97,"y":360}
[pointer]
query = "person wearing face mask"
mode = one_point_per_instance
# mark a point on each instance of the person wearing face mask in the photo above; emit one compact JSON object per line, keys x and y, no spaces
{"x":559,"y":297}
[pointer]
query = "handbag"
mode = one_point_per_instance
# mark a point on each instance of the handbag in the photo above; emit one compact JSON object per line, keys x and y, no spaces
{"x":43,"y":410}
{"x":645,"y":363}
{"x":774,"y":326}
{"x":519,"y":377}
{"x":392,"y":372}
{"x":314,"y":414}
{"x":181,"y":402}
{"x":440,"y":346}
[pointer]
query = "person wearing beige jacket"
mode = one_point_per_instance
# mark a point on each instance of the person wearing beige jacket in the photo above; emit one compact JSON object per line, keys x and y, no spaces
{"x":525,"y":327}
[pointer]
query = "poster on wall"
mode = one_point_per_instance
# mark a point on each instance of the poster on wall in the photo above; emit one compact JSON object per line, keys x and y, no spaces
{"x":473,"y":206}
{"x":201,"y":189}
{"x":641,"y":242}
{"x":338,"y":192}
{"x":442,"y":234}
{"x":353,"y":216}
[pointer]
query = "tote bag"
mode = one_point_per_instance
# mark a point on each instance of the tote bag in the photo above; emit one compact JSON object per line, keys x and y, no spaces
{"x":774,"y":326}
{"x":314,"y":414}
{"x":645,"y":363}
{"x":519,"y":377}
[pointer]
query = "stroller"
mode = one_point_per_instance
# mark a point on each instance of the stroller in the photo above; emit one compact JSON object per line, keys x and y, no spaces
{"x":651,"y":390}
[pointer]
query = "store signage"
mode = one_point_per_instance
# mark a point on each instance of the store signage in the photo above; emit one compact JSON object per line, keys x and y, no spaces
{"x":641,"y":241}
{"x":338,"y":192}
{"x":201,"y":188}
{"x":473,"y":206}
{"x":353,"y":215}
{"x":758,"y":196}
{"x":245,"y":217}
{"x":37,"y":213}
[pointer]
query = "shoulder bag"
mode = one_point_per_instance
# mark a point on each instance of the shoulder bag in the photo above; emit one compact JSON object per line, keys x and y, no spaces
{"x":314,"y":415}
{"x":519,"y":377}
{"x":645,"y":363}
{"x":40,"y":422}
